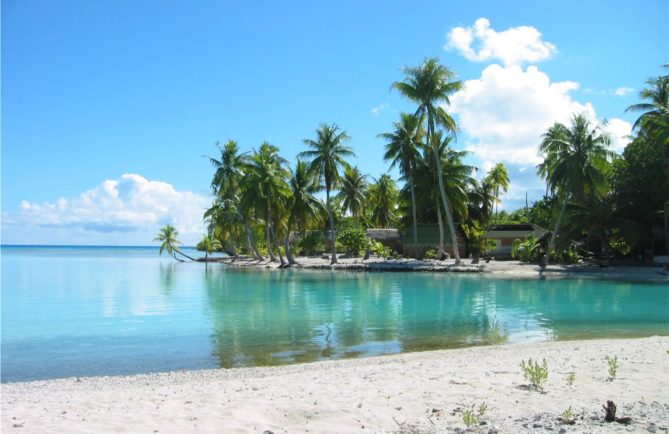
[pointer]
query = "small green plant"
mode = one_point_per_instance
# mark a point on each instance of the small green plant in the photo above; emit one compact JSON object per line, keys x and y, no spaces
{"x":613,"y":366}
{"x":570,"y":378}
{"x":483,"y":408}
{"x":568,"y":417}
{"x":535,"y":373}
{"x":430,"y":254}
{"x":469,"y":417}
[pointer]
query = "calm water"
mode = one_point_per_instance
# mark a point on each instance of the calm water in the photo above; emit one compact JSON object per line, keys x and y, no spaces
{"x":93,"y":311}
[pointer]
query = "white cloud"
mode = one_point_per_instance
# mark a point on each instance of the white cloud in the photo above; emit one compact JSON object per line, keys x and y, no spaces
{"x":513,"y":46}
{"x":622,"y":91}
{"x":130,"y":208}
{"x":505,"y":112}
{"x":380,"y":108}
{"x":620,"y":132}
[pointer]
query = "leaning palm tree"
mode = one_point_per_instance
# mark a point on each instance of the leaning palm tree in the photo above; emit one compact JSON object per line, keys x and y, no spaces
{"x":168,"y":237}
{"x":352,"y":191}
{"x":328,"y":156}
{"x":302,"y":203}
{"x":403,"y":150}
{"x":429,"y":85}
{"x":499,"y":179}
{"x":575,"y":164}
{"x":265,"y":189}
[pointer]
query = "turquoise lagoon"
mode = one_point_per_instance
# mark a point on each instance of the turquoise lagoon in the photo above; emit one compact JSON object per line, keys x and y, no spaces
{"x":80,"y":311}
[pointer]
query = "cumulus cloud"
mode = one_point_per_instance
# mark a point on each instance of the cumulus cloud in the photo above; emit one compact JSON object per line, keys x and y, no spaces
{"x":127,"y":207}
{"x":504,"y":113}
{"x":620,"y":132}
{"x":512,"y":46}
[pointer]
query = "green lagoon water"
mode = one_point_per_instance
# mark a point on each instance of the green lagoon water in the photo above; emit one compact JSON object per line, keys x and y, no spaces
{"x":79,"y":311}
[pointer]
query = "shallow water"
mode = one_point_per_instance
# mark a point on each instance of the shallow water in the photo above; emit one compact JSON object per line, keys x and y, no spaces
{"x":78,"y":311}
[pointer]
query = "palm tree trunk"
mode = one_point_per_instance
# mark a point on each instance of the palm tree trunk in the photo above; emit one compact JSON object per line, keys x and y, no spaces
{"x":332,"y":227}
{"x":251,"y":240}
{"x":444,"y":199}
{"x":440,"y":248}
{"x":183,"y":254}
{"x":268,"y":239}
{"x":286,"y":243}
{"x":496,"y":202}
{"x":413,"y":216}
{"x":278,"y":246}
{"x":551,"y":244}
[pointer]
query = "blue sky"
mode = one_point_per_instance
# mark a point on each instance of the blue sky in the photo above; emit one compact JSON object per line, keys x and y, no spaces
{"x":108,"y":106}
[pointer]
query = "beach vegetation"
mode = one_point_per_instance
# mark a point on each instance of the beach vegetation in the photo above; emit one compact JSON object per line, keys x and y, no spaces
{"x":534,"y":372}
{"x":571,"y":377}
{"x":208,"y":245}
{"x":527,"y":249}
{"x":353,"y":240}
{"x":567,"y":417}
{"x":612,"y":364}
{"x":469,"y":417}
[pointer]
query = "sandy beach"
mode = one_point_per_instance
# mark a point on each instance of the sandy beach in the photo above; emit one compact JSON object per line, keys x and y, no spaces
{"x":509,"y":268}
{"x":416,"y":392}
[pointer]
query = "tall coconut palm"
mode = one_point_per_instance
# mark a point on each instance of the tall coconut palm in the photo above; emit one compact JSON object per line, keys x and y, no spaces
{"x":265,"y":189}
{"x":352,"y":191}
{"x":499,"y":179}
{"x":657,"y":95}
{"x":403,"y":150}
{"x":383,"y":200}
{"x":575,"y":163}
{"x":225,"y":185}
{"x":328,"y":156}
{"x":168,"y":237}
{"x":302,"y":203}
{"x":481,"y":201}
{"x":429,"y":85}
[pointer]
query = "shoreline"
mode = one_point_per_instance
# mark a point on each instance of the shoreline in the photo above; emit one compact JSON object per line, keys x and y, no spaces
{"x":510,"y":268}
{"x":409,"y":392}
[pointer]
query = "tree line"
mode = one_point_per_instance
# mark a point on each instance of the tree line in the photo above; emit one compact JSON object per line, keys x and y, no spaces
{"x":596,"y":200}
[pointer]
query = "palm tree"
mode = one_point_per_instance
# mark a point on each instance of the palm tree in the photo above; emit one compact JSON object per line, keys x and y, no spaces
{"x":575,"y":163}
{"x":265,"y":189}
{"x":498,"y":177}
{"x":429,"y":85}
{"x":225,"y":185}
{"x":657,"y":95}
{"x":352,"y":191}
{"x":302,"y":203}
{"x":327,"y":155}
{"x":208,"y":244}
{"x":168,"y":237}
{"x":383,"y":200}
{"x":403,"y":149}
{"x":481,"y":201}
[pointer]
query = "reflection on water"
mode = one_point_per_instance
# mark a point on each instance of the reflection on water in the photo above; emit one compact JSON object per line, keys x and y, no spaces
{"x":123,"y":312}
{"x":296,"y":316}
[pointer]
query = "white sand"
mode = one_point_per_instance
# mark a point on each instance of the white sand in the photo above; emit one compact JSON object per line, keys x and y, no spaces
{"x":418,"y":392}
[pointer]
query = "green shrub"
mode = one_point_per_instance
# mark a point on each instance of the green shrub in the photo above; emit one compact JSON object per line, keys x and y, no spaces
{"x":535,"y":373}
{"x":352,"y":240}
{"x":571,"y":377}
{"x":613,"y":366}
{"x":430,"y":254}
{"x":379,"y":249}
{"x":568,"y":417}
{"x":527,"y":249}
{"x":469,"y":417}
{"x":312,"y":243}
